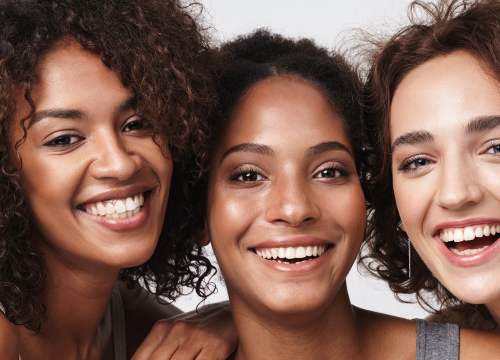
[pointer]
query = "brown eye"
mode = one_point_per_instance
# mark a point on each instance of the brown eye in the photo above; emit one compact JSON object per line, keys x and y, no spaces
{"x":64,"y":140}
{"x":137,"y":125}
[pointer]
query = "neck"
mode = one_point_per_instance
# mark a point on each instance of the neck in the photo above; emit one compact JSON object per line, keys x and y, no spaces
{"x":76,"y":299}
{"x":327,"y":333}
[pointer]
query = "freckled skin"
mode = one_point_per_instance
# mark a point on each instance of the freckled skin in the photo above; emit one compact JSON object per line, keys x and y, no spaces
{"x":460,"y":178}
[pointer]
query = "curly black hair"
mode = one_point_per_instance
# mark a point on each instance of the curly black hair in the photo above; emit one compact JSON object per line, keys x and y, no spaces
{"x":160,"y":53}
{"x":436,"y":29}
{"x":250,"y":59}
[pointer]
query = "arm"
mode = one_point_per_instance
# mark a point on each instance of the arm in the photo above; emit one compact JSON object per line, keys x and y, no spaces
{"x":211,"y":334}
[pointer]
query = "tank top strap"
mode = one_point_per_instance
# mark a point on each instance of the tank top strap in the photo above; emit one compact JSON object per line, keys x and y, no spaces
{"x":437,"y":341}
{"x":118,"y":319}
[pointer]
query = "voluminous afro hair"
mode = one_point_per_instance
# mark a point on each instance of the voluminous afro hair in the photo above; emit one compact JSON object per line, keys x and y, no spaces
{"x":160,"y":54}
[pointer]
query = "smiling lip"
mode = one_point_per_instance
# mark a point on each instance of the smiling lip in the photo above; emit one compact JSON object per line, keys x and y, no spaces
{"x":294,"y":265}
{"x":466,"y":260}
{"x":130,"y":223}
{"x":116,"y":194}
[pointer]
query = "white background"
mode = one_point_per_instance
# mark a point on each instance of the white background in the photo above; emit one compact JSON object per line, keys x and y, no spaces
{"x":328,"y":22}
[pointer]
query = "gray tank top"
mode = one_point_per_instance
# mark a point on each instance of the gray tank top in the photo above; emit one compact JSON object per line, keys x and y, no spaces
{"x":437,"y":341}
{"x":118,"y":321}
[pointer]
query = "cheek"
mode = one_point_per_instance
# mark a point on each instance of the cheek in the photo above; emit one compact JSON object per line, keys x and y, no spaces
{"x":230,"y":215}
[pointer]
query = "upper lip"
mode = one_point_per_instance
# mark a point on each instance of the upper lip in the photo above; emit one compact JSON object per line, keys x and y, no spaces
{"x":463,"y":223}
{"x":293,"y":241}
{"x":122,"y":193}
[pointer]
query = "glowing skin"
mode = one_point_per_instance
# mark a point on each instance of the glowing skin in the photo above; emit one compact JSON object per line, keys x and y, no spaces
{"x":448,"y":178}
{"x":95,"y":149}
{"x":293,"y":184}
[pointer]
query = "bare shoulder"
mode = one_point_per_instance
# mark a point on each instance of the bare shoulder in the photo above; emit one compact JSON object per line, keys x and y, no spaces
{"x":9,"y":342}
{"x":142,"y":311}
{"x":475,"y":344}
{"x":387,"y":337}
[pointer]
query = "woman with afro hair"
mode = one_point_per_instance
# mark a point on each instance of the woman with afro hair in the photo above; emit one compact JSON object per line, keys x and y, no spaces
{"x":102,"y":104}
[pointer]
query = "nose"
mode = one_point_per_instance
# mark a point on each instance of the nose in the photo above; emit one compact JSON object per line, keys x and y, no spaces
{"x":291,"y":202}
{"x":113,"y":160}
{"x":458,"y":185}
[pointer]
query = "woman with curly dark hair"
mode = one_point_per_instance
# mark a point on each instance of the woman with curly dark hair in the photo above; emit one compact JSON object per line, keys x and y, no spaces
{"x":285,"y":211}
{"x":432,"y":115}
{"x":101,"y":106}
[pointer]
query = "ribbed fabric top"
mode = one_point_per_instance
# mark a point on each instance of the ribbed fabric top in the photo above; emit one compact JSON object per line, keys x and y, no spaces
{"x":437,"y":341}
{"x":118,"y":319}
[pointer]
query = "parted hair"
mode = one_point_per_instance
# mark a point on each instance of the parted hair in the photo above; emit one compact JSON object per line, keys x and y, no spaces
{"x":160,"y":53}
{"x":252,"y":58}
{"x":435,"y":30}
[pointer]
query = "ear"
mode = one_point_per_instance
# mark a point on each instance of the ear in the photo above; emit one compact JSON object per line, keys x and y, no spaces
{"x":202,"y":235}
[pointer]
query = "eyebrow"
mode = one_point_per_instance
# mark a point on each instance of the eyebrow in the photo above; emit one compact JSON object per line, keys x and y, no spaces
{"x":71,"y":113}
{"x":250,"y":148}
{"x":327,"y":146}
{"x":482,"y":123}
{"x":412,"y":138}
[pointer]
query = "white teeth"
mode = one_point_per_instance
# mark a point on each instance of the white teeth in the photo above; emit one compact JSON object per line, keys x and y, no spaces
{"x":445,"y":237}
{"x":450,"y":235}
{"x":468,"y":251}
{"x":315,"y":251}
{"x":458,"y":235}
{"x":101,"y":209}
{"x":129,"y":204}
{"x":119,"y":210}
{"x":486,"y":230}
{"x":497,"y":228}
{"x":120,"y":207}
{"x":469,"y":233}
{"x":309,"y":251}
{"x":300,"y":253}
{"x":110,"y":208}
{"x":493,"y":230}
{"x":136,"y":201}
{"x":479,"y":232}
{"x":290,"y":253}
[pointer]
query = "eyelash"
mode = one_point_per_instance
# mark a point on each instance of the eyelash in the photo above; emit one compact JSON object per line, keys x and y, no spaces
{"x":343,"y":172}
{"x":493,"y":145}
{"x":64,"y":136}
{"x":405,"y":165}
{"x":243,"y":171}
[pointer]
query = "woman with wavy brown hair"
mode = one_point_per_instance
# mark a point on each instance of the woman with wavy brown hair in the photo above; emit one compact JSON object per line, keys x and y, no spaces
{"x":432,"y":116}
{"x":101,"y":106}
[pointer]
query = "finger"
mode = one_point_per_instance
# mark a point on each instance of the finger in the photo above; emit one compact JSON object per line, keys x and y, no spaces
{"x":155,"y":337}
{"x":211,"y":353}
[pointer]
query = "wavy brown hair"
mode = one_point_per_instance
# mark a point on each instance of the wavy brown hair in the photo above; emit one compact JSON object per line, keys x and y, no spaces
{"x":435,"y":30}
{"x":160,"y":53}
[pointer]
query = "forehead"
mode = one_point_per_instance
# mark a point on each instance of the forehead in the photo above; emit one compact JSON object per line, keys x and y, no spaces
{"x":285,"y":109}
{"x":445,"y":92}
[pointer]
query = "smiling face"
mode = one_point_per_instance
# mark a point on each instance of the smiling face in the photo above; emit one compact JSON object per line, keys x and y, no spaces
{"x":445,"y":133}
{"x":96,"y":183}
{"x":285,"y":207}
